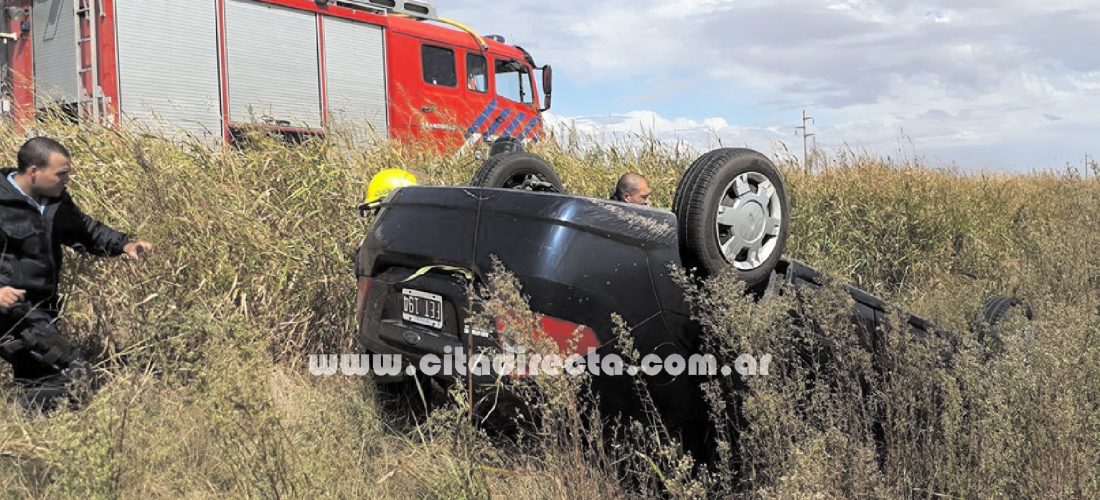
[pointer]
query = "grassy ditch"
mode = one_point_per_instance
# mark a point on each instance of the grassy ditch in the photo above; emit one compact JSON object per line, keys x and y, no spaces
{"x":203,"y":345}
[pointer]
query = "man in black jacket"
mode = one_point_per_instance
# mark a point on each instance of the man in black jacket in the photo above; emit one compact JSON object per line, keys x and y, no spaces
{"x":37,"y":216}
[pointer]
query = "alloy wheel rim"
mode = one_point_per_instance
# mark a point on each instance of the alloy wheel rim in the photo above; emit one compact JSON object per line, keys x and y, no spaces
{"x":748,"y":221}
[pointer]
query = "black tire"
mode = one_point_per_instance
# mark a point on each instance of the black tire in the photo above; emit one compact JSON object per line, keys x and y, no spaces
{"x":704,"y":187}
{"x":518,"y":170}
{"x":995,"y":313}
{"x":998,"y":309}
{"x":505,"y":145}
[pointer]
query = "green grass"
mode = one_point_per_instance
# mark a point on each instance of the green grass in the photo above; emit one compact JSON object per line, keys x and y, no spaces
{"x":203,"y":345}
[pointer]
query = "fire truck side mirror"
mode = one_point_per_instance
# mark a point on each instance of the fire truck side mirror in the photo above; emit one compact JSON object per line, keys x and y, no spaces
{"x":547,"y":85}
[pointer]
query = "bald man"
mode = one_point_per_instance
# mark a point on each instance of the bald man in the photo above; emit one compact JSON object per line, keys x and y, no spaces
{"x":632,"y":188}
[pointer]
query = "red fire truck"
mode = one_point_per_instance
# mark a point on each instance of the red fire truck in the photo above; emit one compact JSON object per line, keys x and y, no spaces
{"x":209,"y":68}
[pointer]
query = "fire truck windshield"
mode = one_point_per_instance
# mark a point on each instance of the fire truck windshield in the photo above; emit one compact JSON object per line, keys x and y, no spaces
{"x":513,"y":81}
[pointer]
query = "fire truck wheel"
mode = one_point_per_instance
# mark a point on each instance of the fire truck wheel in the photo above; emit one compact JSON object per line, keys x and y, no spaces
{"x":732,"y":210}
{"x":518,"y":170}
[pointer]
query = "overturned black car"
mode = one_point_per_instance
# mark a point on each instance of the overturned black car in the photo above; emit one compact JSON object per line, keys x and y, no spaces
{"x":580,"y":261}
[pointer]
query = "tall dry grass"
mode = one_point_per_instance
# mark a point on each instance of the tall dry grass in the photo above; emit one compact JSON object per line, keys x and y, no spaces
{"x":202,"y":346}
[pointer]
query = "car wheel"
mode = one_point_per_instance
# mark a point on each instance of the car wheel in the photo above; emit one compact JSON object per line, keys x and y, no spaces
{"x":518,"y":170}
{"x":505,"y":145}
{"x":732,"y":210}
{"x":997,"y":312}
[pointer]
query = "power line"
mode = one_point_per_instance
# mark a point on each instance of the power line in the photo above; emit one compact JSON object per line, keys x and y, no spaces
{"x":805,"y":140}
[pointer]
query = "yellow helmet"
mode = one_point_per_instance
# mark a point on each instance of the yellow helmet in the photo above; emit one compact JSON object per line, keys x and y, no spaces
{"x":387,"y":180}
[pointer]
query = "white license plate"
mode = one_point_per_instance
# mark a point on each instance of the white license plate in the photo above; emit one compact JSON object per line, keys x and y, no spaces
{"x":422,"y":308}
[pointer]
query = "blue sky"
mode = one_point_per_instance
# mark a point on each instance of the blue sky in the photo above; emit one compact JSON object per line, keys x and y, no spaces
{"x":1007,"y":85}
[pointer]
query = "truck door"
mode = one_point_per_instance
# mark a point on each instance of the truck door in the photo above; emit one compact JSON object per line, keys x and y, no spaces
{"x":514,"y":87}
{"x":438,"y":89}
{"x":425,"y":90}
{"x":443,"y":94}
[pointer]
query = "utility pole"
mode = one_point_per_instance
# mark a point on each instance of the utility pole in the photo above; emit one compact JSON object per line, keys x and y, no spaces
{"x":1087,"y":165}
{"x":805,"y":140}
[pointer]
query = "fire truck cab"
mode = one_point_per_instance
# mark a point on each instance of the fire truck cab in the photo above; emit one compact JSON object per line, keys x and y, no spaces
{"x":210,"y":68}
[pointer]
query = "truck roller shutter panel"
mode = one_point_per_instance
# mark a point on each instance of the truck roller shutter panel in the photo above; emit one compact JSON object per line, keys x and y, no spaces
{"x":273,"y":65}
{"x":168,"y":66}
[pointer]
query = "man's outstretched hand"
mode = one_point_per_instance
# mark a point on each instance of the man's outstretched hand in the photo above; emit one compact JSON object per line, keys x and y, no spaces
{"x":9,"y":296}
{"x":134,"y":249}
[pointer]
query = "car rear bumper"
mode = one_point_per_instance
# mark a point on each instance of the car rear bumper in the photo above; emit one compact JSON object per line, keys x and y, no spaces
{"x":383,"y":331}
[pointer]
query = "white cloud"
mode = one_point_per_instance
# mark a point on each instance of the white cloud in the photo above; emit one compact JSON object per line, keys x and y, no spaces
{"x":872,"y":71}
{"x":1086,"y":81}
{"x":716,"y":123}
{"x":700,"y":134}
